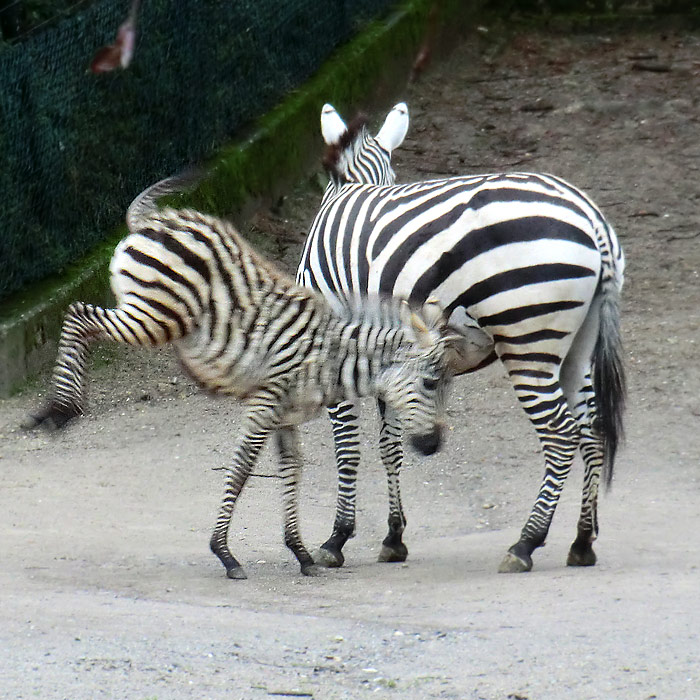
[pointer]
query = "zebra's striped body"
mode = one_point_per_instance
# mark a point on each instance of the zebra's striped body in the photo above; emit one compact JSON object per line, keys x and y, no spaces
{"x":527,"y":259}
{"x":243,"y":328}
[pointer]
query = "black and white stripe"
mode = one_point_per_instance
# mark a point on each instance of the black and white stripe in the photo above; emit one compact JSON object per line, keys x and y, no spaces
{"x":527,"y":269}
{"x":243,"y":328}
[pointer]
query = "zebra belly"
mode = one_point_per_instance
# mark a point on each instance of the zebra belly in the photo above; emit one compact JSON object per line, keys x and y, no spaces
{"x":220,"y":368}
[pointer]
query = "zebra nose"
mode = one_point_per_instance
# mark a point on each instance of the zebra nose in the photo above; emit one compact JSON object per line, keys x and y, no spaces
{"x":428,"y":443}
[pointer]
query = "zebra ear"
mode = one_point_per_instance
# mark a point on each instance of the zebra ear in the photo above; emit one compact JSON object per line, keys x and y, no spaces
{"x":412,"y":320}
{"x":392,"y":134}
{"x":332,"y":126}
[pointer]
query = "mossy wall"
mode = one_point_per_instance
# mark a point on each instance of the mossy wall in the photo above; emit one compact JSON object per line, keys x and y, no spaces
{"x":267,"y":158}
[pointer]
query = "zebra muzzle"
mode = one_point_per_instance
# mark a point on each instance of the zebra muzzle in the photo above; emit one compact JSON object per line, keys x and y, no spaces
{"x":427,"y":443}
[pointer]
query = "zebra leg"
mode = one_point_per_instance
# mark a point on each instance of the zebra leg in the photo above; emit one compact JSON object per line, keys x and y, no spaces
{"x":576,"y":382}
{"x":391,"y":450}
{"x":83,"y":324}
{"x":581,"y":552}
{"x":257,"y":425}
{"x":290,"y":470}
{"x":347,"y":454}
{"x":559,"y":436}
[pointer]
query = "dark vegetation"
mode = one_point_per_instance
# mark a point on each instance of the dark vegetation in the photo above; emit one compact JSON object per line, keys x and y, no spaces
{"x":75,"y":147}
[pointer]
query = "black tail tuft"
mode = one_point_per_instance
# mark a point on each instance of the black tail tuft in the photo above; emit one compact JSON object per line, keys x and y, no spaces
{"x":609,"y":381}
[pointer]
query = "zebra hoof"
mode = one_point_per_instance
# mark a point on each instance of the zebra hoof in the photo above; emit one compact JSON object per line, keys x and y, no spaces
{"x":513,"y":564}
{"x":581,"y":555}
{"x":51,"y":416}
{"x":396,"y":553}
{"x":236,"y":573}
{"x":328,"y":559}
{"x":312,"y":570}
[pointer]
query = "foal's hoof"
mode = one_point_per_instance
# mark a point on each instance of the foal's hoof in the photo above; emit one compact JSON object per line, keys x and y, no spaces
{"x":312,"y":570}
{"x":328,"y":559}
{"x":50,"y":416}
{"x":236,"y":573}
{"x":581,"y":555}
{"x":395,"y":553}
{"x":514,"y":564}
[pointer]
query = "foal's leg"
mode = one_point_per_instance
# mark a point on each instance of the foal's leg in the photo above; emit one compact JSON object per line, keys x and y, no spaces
{"x":346,"y":430}
{"x":84,"y":324}
{"x":391,"y":450}
{"x":260,"y":420}
{"x":290,"y":470}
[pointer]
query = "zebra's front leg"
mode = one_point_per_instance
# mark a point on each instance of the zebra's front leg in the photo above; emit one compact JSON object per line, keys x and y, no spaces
{"x":344,"y":421}
{"x":558,"y":434}
{"x":290,"y":471}
{"x":257,"y":425}
{"x":391,"y":451}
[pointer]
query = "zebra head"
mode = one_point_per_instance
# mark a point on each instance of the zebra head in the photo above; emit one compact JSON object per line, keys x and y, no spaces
{"x":353,"y":156}
{"x":415,"y":385}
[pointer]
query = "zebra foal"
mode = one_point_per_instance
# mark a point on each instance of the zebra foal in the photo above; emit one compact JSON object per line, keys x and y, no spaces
{"x":243,"y":328}
{"x":528,"y":271}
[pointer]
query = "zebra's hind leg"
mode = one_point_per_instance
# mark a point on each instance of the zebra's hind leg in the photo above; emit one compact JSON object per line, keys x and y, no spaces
{"x":391,"y":450}
{"x":558,"y":432}
{"x":290,"y":470}
{"x":575,"y":377}
{"x":259,"y":421}
{"x":83,"y":324}
{"x":344,"y":421}
{"x":581,"y":551}
{"x":583,"y":405}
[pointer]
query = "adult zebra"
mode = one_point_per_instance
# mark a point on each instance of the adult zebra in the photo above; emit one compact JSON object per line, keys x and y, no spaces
{"x":243,"y":328}
{"x":527,"y":269}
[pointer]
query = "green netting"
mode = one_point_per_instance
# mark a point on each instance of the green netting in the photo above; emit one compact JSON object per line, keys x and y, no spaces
{"x":75,"y":148}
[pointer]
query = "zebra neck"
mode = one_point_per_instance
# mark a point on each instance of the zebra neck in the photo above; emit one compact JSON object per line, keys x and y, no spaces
{"x":358,"y":353}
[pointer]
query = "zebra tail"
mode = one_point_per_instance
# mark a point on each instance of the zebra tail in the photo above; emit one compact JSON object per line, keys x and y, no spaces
{"x":146,"y":201}
{"x":609,"y":381}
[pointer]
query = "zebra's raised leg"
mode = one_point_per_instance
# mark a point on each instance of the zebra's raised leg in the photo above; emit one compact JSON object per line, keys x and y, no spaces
{"x":84,"y":324}
{"x":257,"y":425}
{"x":346,"y":430}
{"x":290,"y":471}
{"x":391,"y":451}
{"x":558,"y":432}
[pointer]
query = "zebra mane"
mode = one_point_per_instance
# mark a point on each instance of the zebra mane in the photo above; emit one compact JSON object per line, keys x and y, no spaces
{"x":357,"y":129}
{"x":380,"y":310}
{"x":373,"y":309}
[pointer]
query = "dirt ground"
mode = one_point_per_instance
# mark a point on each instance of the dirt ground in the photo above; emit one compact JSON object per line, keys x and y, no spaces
{"x":107,"y":586}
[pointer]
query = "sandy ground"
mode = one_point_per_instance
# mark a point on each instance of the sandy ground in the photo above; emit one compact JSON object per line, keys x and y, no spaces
{"x":107,"y":587}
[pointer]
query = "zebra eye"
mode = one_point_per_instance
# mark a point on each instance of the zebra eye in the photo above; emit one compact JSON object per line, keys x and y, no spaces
{"x":430,"y":384}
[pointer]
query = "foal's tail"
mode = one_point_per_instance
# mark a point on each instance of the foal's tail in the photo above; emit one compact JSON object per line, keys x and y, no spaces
{"x":146,"y":202}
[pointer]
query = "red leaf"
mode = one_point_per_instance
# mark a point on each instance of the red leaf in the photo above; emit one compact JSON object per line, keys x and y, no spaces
{"x":120,"y":53}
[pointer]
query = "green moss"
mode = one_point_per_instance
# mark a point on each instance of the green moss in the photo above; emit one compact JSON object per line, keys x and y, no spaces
{"x":266,"y":161}
{"x":286,"y":141}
